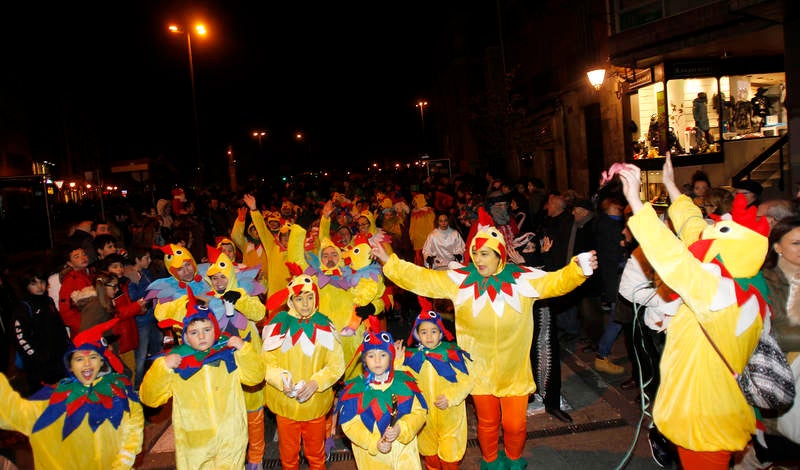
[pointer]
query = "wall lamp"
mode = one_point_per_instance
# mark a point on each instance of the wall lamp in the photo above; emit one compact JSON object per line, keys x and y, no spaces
{"x":622,"y":75}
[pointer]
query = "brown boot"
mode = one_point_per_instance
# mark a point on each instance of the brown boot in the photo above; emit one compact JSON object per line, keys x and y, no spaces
{"x":602,"y":364}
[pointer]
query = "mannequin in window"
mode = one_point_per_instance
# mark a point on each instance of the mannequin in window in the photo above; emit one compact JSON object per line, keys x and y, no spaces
{"x":700,"y":114}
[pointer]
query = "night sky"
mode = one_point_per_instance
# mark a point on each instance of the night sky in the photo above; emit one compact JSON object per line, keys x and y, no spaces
{"x":347,"y":74}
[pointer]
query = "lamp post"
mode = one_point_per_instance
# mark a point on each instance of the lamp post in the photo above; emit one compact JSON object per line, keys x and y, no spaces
{"x":422,"y":104}
{"x":200,"y":30}
{"x":259,"y":134}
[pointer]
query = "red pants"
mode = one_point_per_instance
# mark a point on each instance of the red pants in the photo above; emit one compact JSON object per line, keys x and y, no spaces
{"x":255,"y":436}
{"x":312,"y":435}
{"x":694,"y":460}
{"x":512,"y":413}
{"x":432,"y":462}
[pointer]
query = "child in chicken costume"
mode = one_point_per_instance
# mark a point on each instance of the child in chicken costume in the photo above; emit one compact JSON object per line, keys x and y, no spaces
{"x":493,"y":303}
{"x":303,"y":357}
{"x":441,"y":370}
{"x":237,"y":309}
{"x":715,"y":271}
{"x":205,"y":385}
{"x":89,"y":420}
{"x":382,"y":411}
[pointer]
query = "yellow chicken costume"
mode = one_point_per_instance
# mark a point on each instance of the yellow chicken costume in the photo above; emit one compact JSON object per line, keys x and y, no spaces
{"x":245,"y":309}
{"x":301,"y":349}
{"x":208,"y":407}
{"x":715,"y":271}
{"x":441,"y":371}
{"x":72,"y":425}
{"x":423,"y":220}
{"x":493,"y":322}
{"x":277,"y":272}
{"x":367,"y":406}
{"x":254,"y":254}
{"x":370,"y":298}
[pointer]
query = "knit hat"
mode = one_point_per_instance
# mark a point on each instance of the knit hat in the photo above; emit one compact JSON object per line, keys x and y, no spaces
{"x":429,"y":315}
{"x":383,"y":341}
{"x":489,"y":236}
{"x":92,"y":339}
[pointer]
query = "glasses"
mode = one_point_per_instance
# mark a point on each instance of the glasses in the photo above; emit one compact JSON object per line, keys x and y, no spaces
{"x":108,"y":284}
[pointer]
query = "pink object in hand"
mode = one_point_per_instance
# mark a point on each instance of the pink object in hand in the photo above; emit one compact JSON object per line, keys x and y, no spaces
{"x":607,"y":176}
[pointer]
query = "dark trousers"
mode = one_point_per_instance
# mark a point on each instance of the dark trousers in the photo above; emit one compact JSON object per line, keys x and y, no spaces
{"x":545,"y":355}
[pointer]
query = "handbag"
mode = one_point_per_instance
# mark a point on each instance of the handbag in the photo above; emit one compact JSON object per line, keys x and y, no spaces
{"x":766,"y":380}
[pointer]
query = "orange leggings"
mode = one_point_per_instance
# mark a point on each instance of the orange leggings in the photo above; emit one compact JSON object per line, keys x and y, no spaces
{"x":512,"y":412}
{"x":695,"y":460}
{"x":312,"y":434}
{"x":432,"y":462}
{"x":255,"y":436}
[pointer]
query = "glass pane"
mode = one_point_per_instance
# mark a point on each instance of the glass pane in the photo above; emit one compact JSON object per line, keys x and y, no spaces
{"x":753,"y":105}
{"x":693,"y":116}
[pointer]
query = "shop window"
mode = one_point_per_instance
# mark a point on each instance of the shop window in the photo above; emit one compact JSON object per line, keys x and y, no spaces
{"x":648,"y":124}
{"x":694,"y":124}
{"x":753,"y":105}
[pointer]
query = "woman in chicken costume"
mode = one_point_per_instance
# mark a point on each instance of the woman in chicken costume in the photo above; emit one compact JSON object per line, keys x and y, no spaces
{"x":303,"y":357}
{"x":89,"y":420}
{"x":493,"y":302}
{"x":715,"y":271}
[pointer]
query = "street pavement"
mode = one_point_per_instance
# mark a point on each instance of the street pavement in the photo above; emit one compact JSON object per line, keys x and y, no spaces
{"x":603,"y":435}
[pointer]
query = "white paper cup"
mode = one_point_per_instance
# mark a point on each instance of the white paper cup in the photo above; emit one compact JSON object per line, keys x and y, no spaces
{"x":584,"y":262}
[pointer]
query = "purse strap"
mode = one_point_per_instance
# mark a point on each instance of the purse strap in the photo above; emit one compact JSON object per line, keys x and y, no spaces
{"x":714,"y":345}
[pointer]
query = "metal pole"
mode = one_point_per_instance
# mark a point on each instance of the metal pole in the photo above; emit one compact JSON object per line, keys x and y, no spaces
{"x":194,"y":108}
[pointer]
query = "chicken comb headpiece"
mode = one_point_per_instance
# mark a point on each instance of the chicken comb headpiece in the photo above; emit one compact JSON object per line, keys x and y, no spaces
{"x":489,"y":236}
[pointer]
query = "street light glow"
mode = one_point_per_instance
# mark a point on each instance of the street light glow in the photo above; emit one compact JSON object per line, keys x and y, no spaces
{"x":201,"y":29}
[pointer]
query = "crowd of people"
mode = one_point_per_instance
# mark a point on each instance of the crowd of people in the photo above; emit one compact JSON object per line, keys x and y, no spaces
{"x":285,"y":303}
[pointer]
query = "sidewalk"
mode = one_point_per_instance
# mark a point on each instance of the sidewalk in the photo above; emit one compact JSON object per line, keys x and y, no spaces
{"x":604,"y":428}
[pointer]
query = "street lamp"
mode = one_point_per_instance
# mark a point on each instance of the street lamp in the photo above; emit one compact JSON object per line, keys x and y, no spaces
{"x":259,"y":134}
{"x":199,"y":29}
{"x":422,"y":104}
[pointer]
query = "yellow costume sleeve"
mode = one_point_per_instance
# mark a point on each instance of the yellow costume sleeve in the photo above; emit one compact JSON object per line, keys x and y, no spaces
{"x":324,"y":227}
{"x":273,"y":371}
{"x":360,"y":436}
{"x":295,"y":249}
{"x":250,"y":365}
{"x":156,"y":386}
{"x":237,"y":235}
{"x":250,"y":306}
{"x":266,"y":237}
{"x":172,"y":310}
{"x":411,"y":423}
{"x":457,"y":392}
{"x":407,"y":276}
{"x":687,"y":219}
{"x":333,"y":370}
{"x":17,"y":413}
{"x":674,"y":264}
{"x":131,"y":430}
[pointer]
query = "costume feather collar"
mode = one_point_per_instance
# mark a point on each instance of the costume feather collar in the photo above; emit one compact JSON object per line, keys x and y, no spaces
{"x":374,"y":405}
{"x":445,"y":358}
{"x":104,"y":400}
